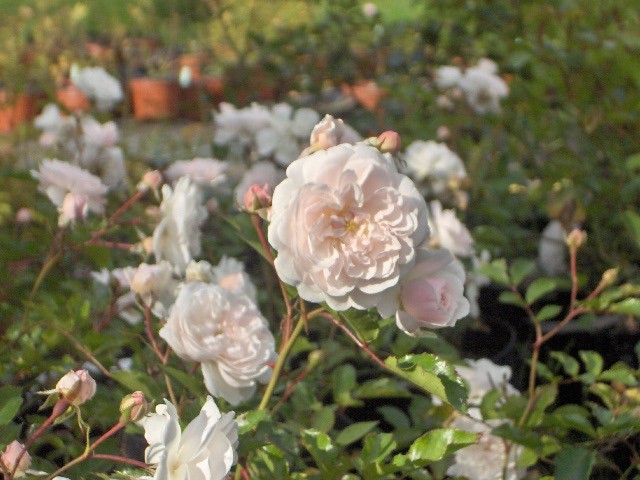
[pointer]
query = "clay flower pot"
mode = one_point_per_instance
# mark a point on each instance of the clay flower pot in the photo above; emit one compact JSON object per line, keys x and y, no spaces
{"x":154,"y":98}
{"x":367,"y":93}
{"x":73,"y":99}
{"x":14,"y":112}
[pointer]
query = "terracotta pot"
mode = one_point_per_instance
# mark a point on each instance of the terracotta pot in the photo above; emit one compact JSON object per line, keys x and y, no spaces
{"x":367,"y":93}
{"x":14,"y":112}
{"x":194,"y":61}
{"x":214,"y":86}
{"x":97,"y":50}
{"x":154,"y":98}
{"x":73,"y":99}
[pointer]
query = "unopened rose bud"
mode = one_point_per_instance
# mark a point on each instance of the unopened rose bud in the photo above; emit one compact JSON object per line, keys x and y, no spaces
{"x":151,"y":179}
{"x":369,"y":10}
{"x":74,"y":207}
{"x":257,"y":197}
{"x":147,"y":245}
{"x":133,"y":407}
{"x":389,"y":142}
{"x":609,"y":277}
{"x":443,"y":132}
{"x":10,"y":457}
{"x":576,"y":238}
{"x":23,"y":216}
{"x":76,"y":387}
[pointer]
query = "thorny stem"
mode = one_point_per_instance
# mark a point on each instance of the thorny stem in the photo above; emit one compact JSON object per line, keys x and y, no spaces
{"x":286,"y":324}
{"x":355,"y":339}
{"x":277,"y":368}
{"x":88,"y":451}
{"x":574,"y":277}
{"x":58,"y":409}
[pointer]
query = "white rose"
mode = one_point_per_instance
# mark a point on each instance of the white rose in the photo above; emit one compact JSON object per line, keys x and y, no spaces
{"x":329,"y":133}
{"x":448,"y":76}
{"x":239,"y":125}
{"x":227,"y":334}
{"x":100,"y":86}
{"x":230,"y":275}
{"x":345,"y":224}
{"x":482,"y":376}
{"x":202,"y":171}
{"x":76,"y":387}
{"x":177,"y":237}
{"x":483,"y":89}
{"x":449,"y":232}
{"x":205,"y":450}
{"x":432,"y":293}
{"x":486,"y":459}
{"x":435,"y":163}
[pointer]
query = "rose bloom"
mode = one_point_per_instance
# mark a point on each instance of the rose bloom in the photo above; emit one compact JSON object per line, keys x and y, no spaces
{"x":287,"y":133}
{"x":205,"y":450}
{"x":434,"y":163}
{"x":10,"y":456}
{"x":449,"y":232}
{"x":76,"y":387}
{"x":432,"y":293}
{"x":485,"y":460}
{"x":154,"y":284}
{"x":227,"y":334}
{"x":482,"y":376}
{"x":483,"y":89}
{"x":202,"y":171}
{"x":261,"y":172}
{"x":329,"y":133}
{"x":229,"y":274}
{"x":59,"y":179}
{"x":448,"y":76}
{"x":233,"y":125}
{"x":345,"y":224}
{"x":177,"y":237}
{"x":100,"y":86}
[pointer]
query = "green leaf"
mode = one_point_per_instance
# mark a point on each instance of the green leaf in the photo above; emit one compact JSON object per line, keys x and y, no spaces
{"x":377,"y":447}
{"x":433,"y":375}
{"x":438,"y":443}
{"x":496,"y":271}
{"x":511,"y":298}
{"x":395,"y":417}
{"x":632,"y":222}
{"x":488,"y":404}
{"x":249,"y":420}
{"x":324,"y":453}
{"x":569,"y":364}
{"x":633,"y":161}
{"x":344,"y":382}
{"x":383,"y":387}
{"x":545,"y":396}
{"x":324,"y":419}
{"x":520,"y":269}
{"x":592,"y":361}
{"x":539,"y":288}
{"x":192,"y":383}
{"x":574,"y":463}
{"x":11,"y":400}
{"x":573,"y":417}
{"x":619,"y":372}
{"x":548,"y":312}
{"x":628,"y":306}
{"x":365,"y":324}
{"x":354,"y":433}
{"x":269,"y":459}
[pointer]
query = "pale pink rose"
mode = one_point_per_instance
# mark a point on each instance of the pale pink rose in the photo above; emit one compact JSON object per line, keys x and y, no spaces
{"x":100,"y":134}
{"x":227,"y":334}
{"x":202,"y":171}
{"x":231,"y":275}
{"x":346,"y":224}
{"x":57,"y":179}
{"x":432,"y":293}
{"x":99,"y":86}
{"x":76,"y":387}
{"x":74,"y":208}
{"x":24,"y":216}
{"x":10,"y":457}
{"x":449,"y":232}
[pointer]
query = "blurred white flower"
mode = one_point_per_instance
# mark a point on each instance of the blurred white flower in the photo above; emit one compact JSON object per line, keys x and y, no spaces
{"x":482,"y":376}
{"x":483,"y":89}
{"x":370,"y":10}
{"x":261,"y":173}
{"x":100,"y":86}
{"x":51,"y":119}
{"x":202,"y":171}
{"x":103,"y":135}
{"x":154,"y":284}
{"x":449,"y":232}
{"x":59,"y":179}
{"x":287,"y":132}
{"x":227,"y":334}
{"x":448,"y":76}
{"x":486,"y":459}
{"x":201,"y":271}
{"x":432,"y":293}
{"x":346,"y":224}
{"x":329,"y":133}
{"x":552,"y":249}
{"x":177,"y":237}
{"x":435,"y":164}
{"x":205,"y":450}
{"x":239,"y":125}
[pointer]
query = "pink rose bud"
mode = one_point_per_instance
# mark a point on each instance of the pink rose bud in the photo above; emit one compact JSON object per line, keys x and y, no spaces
{"x":369,"y":10}
{"x":576,"y":238}
{"x":257,"y":197}
{"x":74,"y":207}
{"x":23,"y":216}
{"x":151,"y":179}
{"x":76,"y":387}
{"x":10,"y":457}
{"x":389,"y":142}
{"x":133,"y":407}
